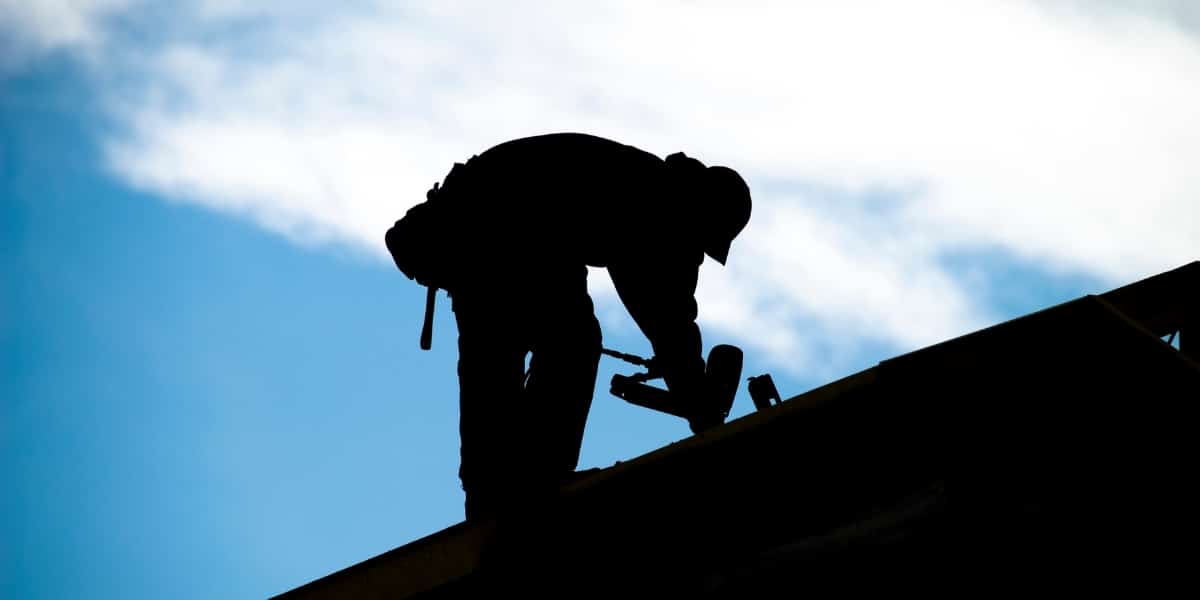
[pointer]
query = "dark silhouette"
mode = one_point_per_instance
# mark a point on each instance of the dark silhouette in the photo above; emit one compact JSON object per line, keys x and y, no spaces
{"x":509,"y":234}
{"x":1049,"y":452}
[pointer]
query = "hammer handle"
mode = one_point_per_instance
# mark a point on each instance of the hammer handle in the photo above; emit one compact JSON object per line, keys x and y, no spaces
{"x":427,"y":326}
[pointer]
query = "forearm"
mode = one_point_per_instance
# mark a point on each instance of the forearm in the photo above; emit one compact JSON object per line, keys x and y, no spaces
{"x":677,"y":354}
{"x":661,"y":300}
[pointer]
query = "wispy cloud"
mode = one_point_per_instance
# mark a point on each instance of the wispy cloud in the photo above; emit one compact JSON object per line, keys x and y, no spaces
{"x":31,"y":29}
{"x":879,"y":138}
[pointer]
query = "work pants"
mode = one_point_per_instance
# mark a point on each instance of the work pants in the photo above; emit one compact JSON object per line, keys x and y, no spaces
{"x":521,"y":432}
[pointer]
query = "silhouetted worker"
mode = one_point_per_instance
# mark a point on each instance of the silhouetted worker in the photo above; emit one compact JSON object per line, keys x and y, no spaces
{"x":509,"y":235}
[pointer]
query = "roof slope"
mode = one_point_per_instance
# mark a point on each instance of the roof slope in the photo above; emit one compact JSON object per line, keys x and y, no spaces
{"x":1054,"y":447}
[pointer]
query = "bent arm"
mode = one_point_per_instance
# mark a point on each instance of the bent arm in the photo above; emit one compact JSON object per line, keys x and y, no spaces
{"x":660,"y":295}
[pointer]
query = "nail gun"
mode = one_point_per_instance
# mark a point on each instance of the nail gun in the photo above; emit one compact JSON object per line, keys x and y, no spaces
{"x":722,"y":370}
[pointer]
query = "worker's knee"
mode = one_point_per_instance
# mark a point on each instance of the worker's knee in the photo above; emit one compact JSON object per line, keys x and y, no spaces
{"x":591,"y":335}
{"x":581,"y":334}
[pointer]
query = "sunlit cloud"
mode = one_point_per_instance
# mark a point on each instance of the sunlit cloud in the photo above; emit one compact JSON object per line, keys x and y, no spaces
{"x":879,"y":138}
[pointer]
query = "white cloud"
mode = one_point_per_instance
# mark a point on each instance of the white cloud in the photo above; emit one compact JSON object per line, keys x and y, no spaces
{"x":1062,"y":136}
{"x":29,"y":28}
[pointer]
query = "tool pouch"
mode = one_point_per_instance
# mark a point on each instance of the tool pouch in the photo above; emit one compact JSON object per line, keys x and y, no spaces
{"x":413,"y":240}
{"x":410,"y":242}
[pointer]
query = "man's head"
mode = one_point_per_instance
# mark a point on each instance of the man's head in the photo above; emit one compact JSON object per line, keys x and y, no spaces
{"x":726,"y":201}
{"x":723,"y":199}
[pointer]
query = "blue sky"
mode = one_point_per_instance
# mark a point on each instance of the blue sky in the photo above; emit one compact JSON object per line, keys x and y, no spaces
{"x":210,"y":384}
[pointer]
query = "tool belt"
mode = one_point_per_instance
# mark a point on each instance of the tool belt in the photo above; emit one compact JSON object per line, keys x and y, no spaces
{"x":417,"y":242}
{"x":413,"y":242}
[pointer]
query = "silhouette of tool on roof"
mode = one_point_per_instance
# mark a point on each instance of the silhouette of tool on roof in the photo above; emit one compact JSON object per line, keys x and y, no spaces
{"x":1051,"y":453}
{"x":722,"y":369}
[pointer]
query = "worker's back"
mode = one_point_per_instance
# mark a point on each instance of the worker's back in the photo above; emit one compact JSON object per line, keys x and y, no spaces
{"x":571,"y":197}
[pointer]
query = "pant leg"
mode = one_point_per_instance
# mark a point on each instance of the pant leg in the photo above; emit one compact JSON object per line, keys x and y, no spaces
{"x":562,"y":379}
{"x":491,"y":365}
